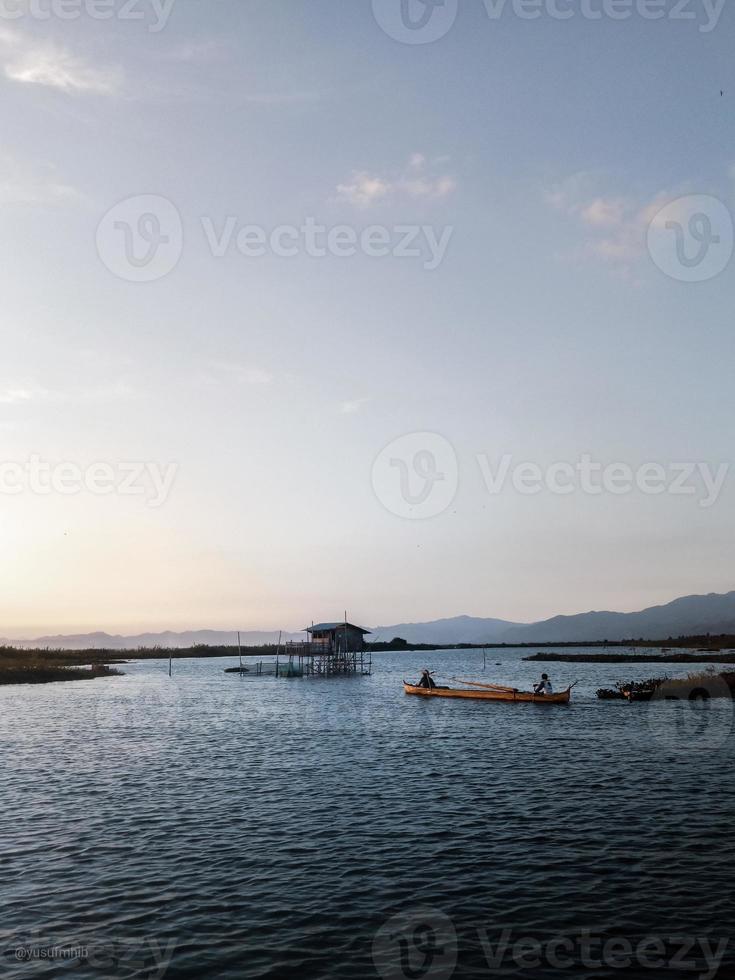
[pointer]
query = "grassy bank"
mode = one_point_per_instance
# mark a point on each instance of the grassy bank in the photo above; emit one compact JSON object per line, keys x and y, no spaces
{"x":46,"y":667}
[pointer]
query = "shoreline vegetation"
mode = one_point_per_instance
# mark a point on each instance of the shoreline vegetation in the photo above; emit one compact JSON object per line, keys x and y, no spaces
{"x":47,"y":667}
{"x":706,"y":643}
{"x":636,"y":658}
{"x":37,"y":666}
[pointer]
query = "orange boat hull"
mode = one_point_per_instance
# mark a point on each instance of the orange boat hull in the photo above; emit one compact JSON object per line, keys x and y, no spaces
{"x":454,"y":692}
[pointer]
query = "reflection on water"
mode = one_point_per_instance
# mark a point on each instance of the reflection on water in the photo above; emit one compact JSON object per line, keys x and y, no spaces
{"x":219,"y":826}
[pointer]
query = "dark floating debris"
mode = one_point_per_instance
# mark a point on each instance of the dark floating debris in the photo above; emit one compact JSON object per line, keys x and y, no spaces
{"x":695,"y":687}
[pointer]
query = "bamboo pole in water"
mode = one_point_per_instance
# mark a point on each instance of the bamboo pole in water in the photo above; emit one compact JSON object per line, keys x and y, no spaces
{"x":491,"y":687}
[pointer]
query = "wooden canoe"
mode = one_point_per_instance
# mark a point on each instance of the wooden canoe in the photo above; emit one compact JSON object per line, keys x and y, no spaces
{"x":562,"y":697}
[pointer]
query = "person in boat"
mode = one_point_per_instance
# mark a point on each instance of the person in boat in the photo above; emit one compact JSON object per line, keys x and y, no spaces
{"x":426,"y":679}
{"x":543,"y":686}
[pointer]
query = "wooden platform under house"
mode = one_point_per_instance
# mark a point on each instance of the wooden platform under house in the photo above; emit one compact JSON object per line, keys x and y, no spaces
{"x":331,"y":649}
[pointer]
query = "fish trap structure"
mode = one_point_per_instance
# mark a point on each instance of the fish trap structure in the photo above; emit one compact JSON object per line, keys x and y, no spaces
{"x":331,"y":650}
{"x":269,"y":668}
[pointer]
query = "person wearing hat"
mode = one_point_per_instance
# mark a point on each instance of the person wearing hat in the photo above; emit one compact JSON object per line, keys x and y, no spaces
{"x":543,"y":686}
{"x":426,"y":679}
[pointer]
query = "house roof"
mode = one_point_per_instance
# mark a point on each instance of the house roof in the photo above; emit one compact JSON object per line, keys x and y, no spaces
{"x":320,"y":627}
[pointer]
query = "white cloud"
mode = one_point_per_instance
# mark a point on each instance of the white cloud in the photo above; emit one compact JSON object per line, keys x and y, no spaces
{"x":364,"y":189}
{"x":353,"y":407}
{"x":418,"y":180}
{"x":429,"y":187}
{"x":19,"y":184}
{"x":602,"y":212}
{"x":50,"y":65}
{"x":613,"y":228}
{"x":21,"y":394}
{"x":27,"y":393}
{"x":571,"y":193}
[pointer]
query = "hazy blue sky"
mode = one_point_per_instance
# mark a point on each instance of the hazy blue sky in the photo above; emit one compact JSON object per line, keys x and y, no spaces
{"x":546,"y":331}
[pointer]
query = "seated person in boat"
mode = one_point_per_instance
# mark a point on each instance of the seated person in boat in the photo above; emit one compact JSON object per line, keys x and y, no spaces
{"x":543,"y":686}
{"x":426,"y":679}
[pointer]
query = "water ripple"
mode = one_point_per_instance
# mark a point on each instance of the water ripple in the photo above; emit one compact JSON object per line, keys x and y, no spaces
{"x":232,"y":827}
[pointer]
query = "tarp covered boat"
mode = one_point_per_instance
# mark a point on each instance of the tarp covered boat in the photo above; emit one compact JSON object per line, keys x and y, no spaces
{"x":488,"y":693}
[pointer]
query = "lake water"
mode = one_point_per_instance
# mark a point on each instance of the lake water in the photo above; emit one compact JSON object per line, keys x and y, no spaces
{"x":208,"y":825}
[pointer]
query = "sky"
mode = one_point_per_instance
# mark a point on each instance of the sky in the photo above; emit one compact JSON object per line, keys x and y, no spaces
{"x":407,"y":311}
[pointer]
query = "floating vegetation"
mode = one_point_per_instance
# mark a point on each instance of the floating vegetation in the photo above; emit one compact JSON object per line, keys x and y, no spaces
{"x":624,"y":689}
{"x":702,"y":685}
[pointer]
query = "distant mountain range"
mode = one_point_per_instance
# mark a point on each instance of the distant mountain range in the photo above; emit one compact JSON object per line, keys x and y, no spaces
{"x":189,"y":638}
{"x":690,"y":615}
{"x":459,"y":629}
